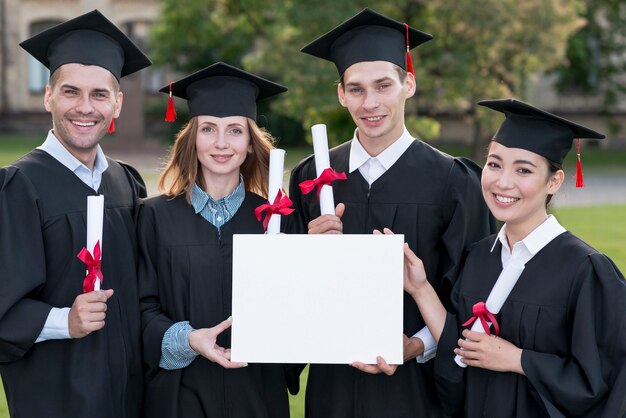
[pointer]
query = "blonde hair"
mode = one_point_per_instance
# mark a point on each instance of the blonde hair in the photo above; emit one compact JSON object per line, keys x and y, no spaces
{"x":182,"y":169}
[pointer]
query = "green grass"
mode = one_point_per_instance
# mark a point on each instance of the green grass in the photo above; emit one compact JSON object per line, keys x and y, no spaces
{"x":13,"y":147}
{"x":604,"y":227}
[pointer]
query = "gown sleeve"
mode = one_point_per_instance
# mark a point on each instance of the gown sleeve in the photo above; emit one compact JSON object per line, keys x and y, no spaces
{"x":22,"y":266}
{"x":449,"y":377}
{"x":135,"y":180}
{"x":592,"y":381}
{"x":468,"y":221}
{"x":154,"y":323}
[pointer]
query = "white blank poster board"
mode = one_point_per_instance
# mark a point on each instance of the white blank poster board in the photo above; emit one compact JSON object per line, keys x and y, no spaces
{"x":317,"y":298}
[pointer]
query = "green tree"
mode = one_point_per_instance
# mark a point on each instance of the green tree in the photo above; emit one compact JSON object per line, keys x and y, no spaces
{"x":487,"y":49}
{"x":596,"y":61}
{"x":481,"y":49}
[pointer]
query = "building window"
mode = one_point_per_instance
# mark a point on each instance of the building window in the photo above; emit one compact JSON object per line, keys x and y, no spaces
{"x":38,"y":74}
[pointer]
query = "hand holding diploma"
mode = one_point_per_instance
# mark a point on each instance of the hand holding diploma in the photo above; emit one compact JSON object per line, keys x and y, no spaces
{"x":88,"y":313}
{"x":328,"y":224}
{"x":485,"y":312}
{"x":491,"y":352}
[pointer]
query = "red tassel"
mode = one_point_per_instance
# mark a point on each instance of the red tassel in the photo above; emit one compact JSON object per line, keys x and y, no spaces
{"x":409,"y":60}
{"x":170,"y":114}
{"x":112,"y":126}
{"x":580,"y":182}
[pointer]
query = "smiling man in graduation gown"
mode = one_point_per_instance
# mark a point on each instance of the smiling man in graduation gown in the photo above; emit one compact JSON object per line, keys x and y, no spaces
{"x":393,"y":181}
{"x":66,"y":351}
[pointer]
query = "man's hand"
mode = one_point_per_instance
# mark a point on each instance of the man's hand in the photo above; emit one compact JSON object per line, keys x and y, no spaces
{"x":381,"y":366}
{"x":88,"y":312}
{"x":204,"y":342}
{"x":328,"y":224}
{"x":413,"y":347}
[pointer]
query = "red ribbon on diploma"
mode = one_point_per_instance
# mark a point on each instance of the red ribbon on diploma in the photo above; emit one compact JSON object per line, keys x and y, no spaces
{"x":282,"y":205}
{"x":325,"y":179}
{"x":481,"y":312}
{"x":94,"y":267}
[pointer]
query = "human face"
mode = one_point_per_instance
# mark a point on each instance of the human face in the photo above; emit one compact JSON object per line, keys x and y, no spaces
{"x":82,"y":101}
{"x":222,"y":145}
{"x":515,"y":184}
{"x":374,"y":95}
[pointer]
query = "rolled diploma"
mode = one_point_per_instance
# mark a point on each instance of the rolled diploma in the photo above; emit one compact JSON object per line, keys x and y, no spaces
{"x":498,"y":295}
{"x":95,"y":217}
{"x":275,"y":183}
{"x":322,"y":162}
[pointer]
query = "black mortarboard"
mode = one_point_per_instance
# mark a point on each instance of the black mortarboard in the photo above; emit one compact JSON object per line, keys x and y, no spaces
{"x":223,"y":90}
{"x":536,"y":130}
{"x":89,"y":39}
{"x":367,"y":36}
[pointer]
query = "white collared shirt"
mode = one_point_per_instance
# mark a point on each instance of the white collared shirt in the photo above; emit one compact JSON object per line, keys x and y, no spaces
{"x":371,"y":168}
{"x":527,"y":248}
{"x":57,"y":325}
{"x":57,"y":151}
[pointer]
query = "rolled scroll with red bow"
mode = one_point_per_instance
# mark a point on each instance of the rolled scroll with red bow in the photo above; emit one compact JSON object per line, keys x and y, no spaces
{"x":325,"y":175}
{"x":484,"y":312}
{"x":278,"y":203}
{"x":91,"y":254}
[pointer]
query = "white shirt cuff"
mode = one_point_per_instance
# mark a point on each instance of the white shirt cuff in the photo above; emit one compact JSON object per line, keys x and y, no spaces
{"x":430,"y":345}
{"x":56,"y":326}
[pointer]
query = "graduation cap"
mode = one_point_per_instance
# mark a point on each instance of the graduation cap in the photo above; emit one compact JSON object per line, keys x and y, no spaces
{"x":89,"y":39}
{"x":541,"y":132}
{"x":368,"y":36}
{"x":221,"y":90}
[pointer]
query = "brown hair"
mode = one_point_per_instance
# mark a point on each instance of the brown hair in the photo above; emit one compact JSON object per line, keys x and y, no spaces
{"x":54,"y":78}
{"x":402,"y":73}
{"x":182,"y":169}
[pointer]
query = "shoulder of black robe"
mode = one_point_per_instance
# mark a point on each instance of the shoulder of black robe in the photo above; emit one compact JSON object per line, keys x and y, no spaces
{"x":470,"y":220}
{"x":592,"y":382}
{"x":135,"y":179}
{"x":22,"y":270}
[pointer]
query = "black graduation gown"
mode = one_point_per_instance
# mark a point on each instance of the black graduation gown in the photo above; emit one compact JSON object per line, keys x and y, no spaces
{"x":185,"y":274}
{"x":567,"y":314}
{"x":43,"y":210}
{"x":435,"y":201}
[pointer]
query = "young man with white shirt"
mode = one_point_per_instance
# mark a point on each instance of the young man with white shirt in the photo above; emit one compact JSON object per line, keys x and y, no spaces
{"x":554,"y":344}
{"x":393,"y":181}
{"x":65,"y":352}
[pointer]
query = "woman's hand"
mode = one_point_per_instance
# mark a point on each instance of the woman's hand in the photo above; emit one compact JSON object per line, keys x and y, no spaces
{"x":414,"y":273}
{"x":489,"y":352}
{"x":204,"y":342}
